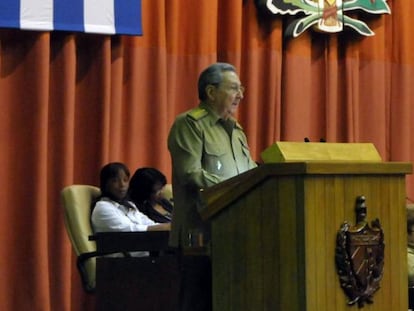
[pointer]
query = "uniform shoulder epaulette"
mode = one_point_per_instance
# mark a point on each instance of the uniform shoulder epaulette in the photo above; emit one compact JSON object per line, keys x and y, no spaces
{"x":197,"y":113}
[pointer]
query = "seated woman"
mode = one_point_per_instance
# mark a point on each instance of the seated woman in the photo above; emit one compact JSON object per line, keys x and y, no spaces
{"x":113,"y":211}
{"x":145,"y":190}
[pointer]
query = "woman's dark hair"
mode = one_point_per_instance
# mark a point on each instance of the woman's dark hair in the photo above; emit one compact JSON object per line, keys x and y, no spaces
{"x":109,"y":171}
{"x":141,"y":185}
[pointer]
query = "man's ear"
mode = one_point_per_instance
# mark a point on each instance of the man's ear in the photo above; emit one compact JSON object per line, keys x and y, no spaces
{"x":211,"y":92}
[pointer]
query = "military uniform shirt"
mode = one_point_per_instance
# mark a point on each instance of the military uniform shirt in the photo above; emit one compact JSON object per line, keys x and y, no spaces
{"x":205,"y":150}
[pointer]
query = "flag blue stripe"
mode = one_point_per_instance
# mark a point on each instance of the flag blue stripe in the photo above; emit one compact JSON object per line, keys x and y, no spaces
{"x":10,"y":13}
{"x":68,"y":15}
{"x":128,"y":17}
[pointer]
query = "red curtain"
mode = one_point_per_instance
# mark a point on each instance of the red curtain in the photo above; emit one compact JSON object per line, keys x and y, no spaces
{"x":73,"y":102}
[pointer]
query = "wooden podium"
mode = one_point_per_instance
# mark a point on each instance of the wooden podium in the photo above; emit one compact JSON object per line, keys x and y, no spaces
{"x":274,"y":232}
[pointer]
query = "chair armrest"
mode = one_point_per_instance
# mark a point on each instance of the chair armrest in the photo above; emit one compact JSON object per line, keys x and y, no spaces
{"x":111,"y":242}
{"x":155,"y":242}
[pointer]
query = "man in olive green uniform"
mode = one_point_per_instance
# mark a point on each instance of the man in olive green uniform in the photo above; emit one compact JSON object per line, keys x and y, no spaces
{"x":207,"y":146}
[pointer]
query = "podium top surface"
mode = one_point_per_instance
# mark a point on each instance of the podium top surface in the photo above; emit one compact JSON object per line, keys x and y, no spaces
{"x":284,"y":151}
{"x":336,"y":167}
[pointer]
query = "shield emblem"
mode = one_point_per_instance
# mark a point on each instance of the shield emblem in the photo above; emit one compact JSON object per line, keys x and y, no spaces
{"x":359,"y":257}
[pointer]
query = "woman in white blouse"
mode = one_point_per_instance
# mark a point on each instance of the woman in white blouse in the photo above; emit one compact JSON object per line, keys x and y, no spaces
{"x":113,"y":211}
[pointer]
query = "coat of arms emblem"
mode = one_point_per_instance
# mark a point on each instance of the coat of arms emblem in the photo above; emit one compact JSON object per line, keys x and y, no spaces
{"x":359,"y":257}
{"x":324,"y":15}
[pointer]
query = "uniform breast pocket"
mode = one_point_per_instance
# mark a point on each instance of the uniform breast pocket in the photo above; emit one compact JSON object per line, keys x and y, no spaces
{"x":213,"y":157}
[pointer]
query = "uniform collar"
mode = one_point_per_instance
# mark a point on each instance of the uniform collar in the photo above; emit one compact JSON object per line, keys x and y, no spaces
{"x":216,"y":118}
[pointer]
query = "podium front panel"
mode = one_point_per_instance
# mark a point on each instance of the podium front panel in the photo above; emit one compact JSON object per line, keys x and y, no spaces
{"x":273,"y":247}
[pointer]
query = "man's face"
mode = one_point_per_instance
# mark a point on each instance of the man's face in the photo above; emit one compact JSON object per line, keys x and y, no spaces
{"x":228,"y":95}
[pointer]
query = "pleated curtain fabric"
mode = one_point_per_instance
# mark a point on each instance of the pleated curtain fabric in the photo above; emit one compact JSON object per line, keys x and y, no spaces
{"x":71,"y":102}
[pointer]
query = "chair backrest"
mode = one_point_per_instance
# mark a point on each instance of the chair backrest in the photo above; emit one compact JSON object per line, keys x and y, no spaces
{"x":77,"y":202}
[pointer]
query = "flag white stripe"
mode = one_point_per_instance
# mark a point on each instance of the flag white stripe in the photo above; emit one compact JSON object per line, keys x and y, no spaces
{"x":99,"y":16}
{"x":36,"y":14}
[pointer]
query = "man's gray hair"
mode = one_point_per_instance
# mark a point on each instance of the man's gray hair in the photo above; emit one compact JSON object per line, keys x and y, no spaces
{"x":212,"y":75}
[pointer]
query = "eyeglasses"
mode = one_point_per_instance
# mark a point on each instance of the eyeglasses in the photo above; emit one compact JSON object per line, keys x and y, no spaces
{"x":236,"y":88}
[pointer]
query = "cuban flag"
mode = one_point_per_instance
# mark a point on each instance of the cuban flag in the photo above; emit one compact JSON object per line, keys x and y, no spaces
{"x":92,"y":16}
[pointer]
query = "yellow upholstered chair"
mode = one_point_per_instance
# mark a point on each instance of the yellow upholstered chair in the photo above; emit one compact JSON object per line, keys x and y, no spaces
{"x":151,"y":281}
{"x":77,"y":201}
